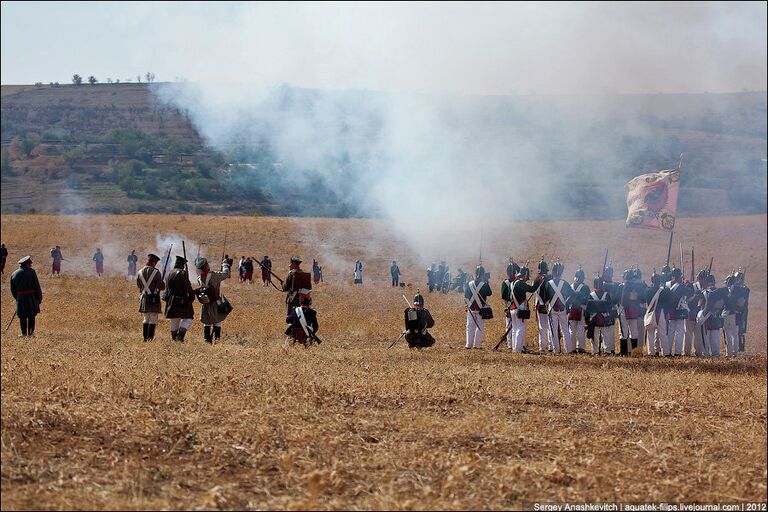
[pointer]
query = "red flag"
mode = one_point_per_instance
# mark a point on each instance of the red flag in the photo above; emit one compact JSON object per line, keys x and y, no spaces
{"x":652,"y":200}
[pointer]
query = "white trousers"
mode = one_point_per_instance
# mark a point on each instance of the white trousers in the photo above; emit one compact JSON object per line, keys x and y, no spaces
{"x":623,"y":325}
{"x":519,"y":329}
{"x":657,"y":337}
{"x":676,"y":335}
{"x":180,"y":323}
{"x":474,"y":329}
{"x":731,"y":335}
{"x":578,"y":336}
{"x":151,"y":318}
{"x":560,"y":320}
{"x":633,"y":328}
{"x":509,"y":327}
{"x":692,"y":344}
{"x":545,"y":331}
{"x":608,"y":335}
{"x":712,"y":342}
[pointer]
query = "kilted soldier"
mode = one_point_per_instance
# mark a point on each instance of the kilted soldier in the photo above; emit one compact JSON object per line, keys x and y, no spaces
{"x":679,"y":312}
{"x":506,"y":291}
{"x":542,"y":316}
{"x":150,"y":282}
{"x":576,"y":312}
{"x":693,"y":332}
{"x":600,"y":319}
{"x":394,"y":271}
{"x":660,"y":301}
{"x":57,"y":258}
{"x":180,"y":296}
{"x":730,"y":328}
{"x":266,"y":268}
{"x":98,"y":257}
{"x":132,"y":261}
{"x":215,"y":306}
{"x":3,"y":258}
{"x":358,"y":272}
{"x":417,"y":320}
{"x":519,"y":311}
{"x":248,"y":270}
{"x":556,"y":294}
{"x":476,"y":294}
{"x":302,"y":322}
{"x":25,"y":288}
{"x":710,"y":318}
{"x":631,"y":310}
{"x":741,"y":293}
{"x":297,"y":284}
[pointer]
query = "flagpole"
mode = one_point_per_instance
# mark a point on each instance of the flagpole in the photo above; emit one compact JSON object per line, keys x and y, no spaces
{"x":669,"y":249}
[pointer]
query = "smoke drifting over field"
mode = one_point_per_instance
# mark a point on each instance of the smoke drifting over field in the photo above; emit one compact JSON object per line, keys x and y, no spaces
{"x":432,"y":162}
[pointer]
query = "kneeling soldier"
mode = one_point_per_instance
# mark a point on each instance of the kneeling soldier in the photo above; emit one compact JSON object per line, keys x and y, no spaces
{"x":302,"y":322}
{"x":417,"y":321}
{"x":150,"y":282}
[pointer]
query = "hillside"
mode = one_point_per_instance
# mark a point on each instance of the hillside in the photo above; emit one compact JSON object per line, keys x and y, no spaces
{"x":116,"y":148}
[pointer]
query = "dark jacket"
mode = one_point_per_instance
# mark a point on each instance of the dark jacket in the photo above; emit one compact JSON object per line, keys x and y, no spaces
{"x":483,"y":291}
{"x":180,"y":295}
{"x":310,"y":315}
{"x":25,"y":288}
{"x":156,"y":285}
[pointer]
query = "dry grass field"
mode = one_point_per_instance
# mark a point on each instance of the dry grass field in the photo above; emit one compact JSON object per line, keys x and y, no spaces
{"x":92,"y":417}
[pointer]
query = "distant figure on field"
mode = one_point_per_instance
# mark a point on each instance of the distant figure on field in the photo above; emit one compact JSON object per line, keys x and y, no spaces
{"x":215,"y":306}
{"x":247,"y":275}
{"x":132,"y":261}
{"x":179,"y":309}
{"x":150,"y":282}
{"x":3,"y":257}
{"x":25,"y":288}
{"x":317,"y":271}
{"x":266,"y":268}
{"x":417,"y":321}
{"x":57,"y":258}
{"x":239,"y":268}
{"x":394,"y":271}
{"x":297,"y":284}
{"x":358,"y":272}
{"x":98,"y":257}
{"x":741,"y":294}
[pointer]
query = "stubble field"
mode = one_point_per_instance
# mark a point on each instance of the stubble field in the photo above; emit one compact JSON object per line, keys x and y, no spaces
{"x":92,"y":417}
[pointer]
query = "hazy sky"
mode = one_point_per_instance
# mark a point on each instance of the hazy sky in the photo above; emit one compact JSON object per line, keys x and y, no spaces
{"x":476,"y":48}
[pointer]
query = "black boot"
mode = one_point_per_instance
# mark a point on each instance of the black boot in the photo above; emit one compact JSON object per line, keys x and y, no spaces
{"x":181,"y":334}
{"x":23,"y":325}
{"x":207,"y":334}
{"x":151,"y":333}
{"x":174,"y":335}
{"x":31,"y":326}
{"x":217,"y":332}
{"x":623,"y":347}
{"x":145,"y":331}
{"x":633,"y":341}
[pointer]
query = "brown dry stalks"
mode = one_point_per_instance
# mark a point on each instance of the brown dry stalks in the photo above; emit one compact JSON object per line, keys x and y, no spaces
{"x":94,"y":418}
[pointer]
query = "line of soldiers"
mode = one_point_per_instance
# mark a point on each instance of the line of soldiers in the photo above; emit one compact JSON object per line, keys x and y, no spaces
{"x":179,"y":296}
{"x":671,"y":316}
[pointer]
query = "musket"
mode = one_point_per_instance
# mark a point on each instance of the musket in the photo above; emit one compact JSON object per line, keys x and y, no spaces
{"x":184,"y":251}
{"x":397,"y":339}
{"x":504,"y":336}
{"x":11,"y":322}
{"x":605,"y":262}
{"x":709,"y":268}
{"x":669,"y":249}
{"x":406,"y":301}
{"x":165,"y":267}
{"x":682,"y":263}
{"x":693,"y":263}
{"x":481,"y":246}
{"x":271,"y":273}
